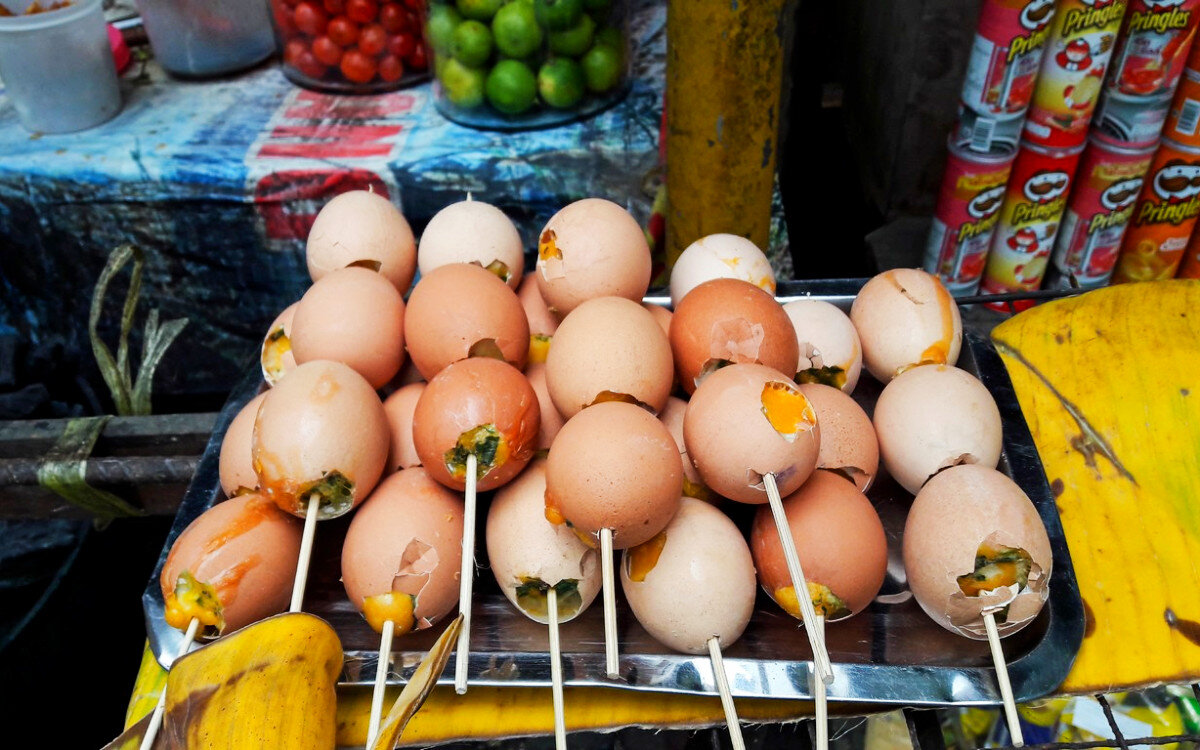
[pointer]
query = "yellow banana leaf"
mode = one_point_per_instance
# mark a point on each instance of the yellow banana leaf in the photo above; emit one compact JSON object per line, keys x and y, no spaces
{"x":1109,"y":383}
{"x":418,"y":688}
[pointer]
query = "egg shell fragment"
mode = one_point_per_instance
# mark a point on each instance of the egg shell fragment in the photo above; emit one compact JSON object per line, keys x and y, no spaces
{"x":407,"y":538}
{"x":236,"y":461}
{"x":523,"y":545}
{"x":953,"y":514}
{"x":360,"y":226}
{"x":720,"y":256}
{"x":472,"y":231}
{"x":276,"y":355}
{"x":932,"y":417}
{"x":244,"y":548}
{"x":906,"y":317}
{"x":701,"y":586}
{"x":399,"y":408}
{"x":848,"y":442}
{"x":827,"y":339}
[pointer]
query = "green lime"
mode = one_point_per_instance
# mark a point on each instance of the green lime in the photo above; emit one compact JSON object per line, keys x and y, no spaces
{"x":463,"y":86}
{"x":602,"y":68}
{"x":439,"y":30}
{"x":558,"y":15}
{"x":561,"y":83}
{"x":516,"y":30}
{"x":574,"y":41}
{"x":511,"y":87}
{"x":599,"y":7}
{"x":480,"y":10}
{"x":472,"y":43}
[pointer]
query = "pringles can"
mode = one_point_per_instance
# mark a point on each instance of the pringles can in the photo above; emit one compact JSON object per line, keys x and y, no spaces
{"x":967,"y":209}
{"x":1034,"y":203}
{"x":1081,"y":42}
{"x":1135,"y":122}
{"x":1005,"y":57}
{"x":1190,"y":268}
{"x":1106,"y":187}
{"x":1153,"y":48}
{"x":1164,"y":216}
{"x":985,"y":134}
{"x":1183,"y":118}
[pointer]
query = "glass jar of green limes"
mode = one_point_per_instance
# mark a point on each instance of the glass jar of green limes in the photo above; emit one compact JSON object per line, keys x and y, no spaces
{"x":517,"y":64}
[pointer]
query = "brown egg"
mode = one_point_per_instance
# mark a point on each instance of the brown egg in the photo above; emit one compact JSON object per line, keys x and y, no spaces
{"x":276,"y":353}
{"x":830,"y":352}
{"x":233,"y":565}
{"x":461,"y":311}
{"x":661,"y":315}
{"x":528,"y":554}
{"x":551,"y":421}
{"x":614,"y":466}
{"x":236,"y":464}
{"x":403,"y":552}
{"x":354,"y":316}
{"x":399,"y":408}
{"x":693,"y":581}
{"x":727,"y":321}
{"x":322,"y":430}
{"x":592,"y":248}
{"x":362,"y":227}
{"x":973,"y":542}
{"x":905,"y":317}
{"x":609,"y":349}
{"x":745,"y":421}
{"x":693,"y":486}
{"x":473,"y":232}
{"x":932,"y":417}
{"x":848,"y":444}
{"x":476,"y":406}
{"x":839,"y":539}
{"x":542,"y":322}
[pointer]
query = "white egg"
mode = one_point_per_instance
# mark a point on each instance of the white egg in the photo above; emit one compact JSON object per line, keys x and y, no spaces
{"x":830,"y":352}
{"x":473,"y":232}
{"x":720,"y":256}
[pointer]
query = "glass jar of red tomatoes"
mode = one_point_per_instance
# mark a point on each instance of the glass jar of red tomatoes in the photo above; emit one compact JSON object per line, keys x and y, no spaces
{"x":351,"y":46}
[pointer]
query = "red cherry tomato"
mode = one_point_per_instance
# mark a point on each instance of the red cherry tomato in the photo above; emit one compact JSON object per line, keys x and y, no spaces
{"x":293,"y":50}
{"x":372,"y":40}
{"x":390,"y":68}
{"x":414,"y":22}
{"x":401,"y":45}
{"x":417,"y":5}
{"x":283,"y":20}
{"x":417,"y":59}
{"x":394,"y":18}
{"x":292,"y":3}
{"x":357,"y":66}
{"x":361,"y":11}
{"x":309,"y":65}
{"x":326,"y":51}
{"x":311,"y":18}
{"x":335,"y":7}
{"x":342,"y":31}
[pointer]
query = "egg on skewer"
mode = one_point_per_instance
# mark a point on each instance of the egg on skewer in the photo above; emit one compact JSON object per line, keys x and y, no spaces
{"x":542,"y":322}
{"x":236,"y":465}
{"x":472,"y":231}
{"x":830,"y":351}
{"x":720,"y":256}
{"x":362,"y":227}
{"x":848,"y":442}
{"x":275,"y":355}
{"x":399,"y":408}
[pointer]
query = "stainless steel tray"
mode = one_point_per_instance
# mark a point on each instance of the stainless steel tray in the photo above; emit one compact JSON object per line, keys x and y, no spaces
{"x":891,"y":653}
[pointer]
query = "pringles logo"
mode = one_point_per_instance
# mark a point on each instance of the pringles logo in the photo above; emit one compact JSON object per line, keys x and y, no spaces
{"x":985,"y":207}
{"x":1046,"y":185}
{"x":1121,"y":194}
{"x":1035,"y":17}
{"x":1177,"y":183}
{"x":1161,"y":16}
{"x":1099,"y":14}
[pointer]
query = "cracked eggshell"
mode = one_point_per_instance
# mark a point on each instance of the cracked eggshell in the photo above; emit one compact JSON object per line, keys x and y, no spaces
{"x":732,"y":442}
{"x":720,"y":256}
{"x":468,"y":394}
{"x":827,"y":339}
{"x":953,"y":514}
{"x":848,"y":443}
{"x":734,"y":321}
{"x":551,"y":421}
{"x":276,"y":355}
{"x":322,"y":418}
{"x":905,"y":317}
{"x":361,"y":226}
{"x":702,"y":584}
{"x":614,"y":465}
{"x":613,"y":345}
{"x":456,"y":309}
{"x":407,"y":537}
{"x":839,"y":539}
{"x":591,"y":248}
{"x":236,"y":462}
{"x":932,"y":417}
{"x":693,"y":486}
{"x":472,"y":231}
{"x":355,"y":316}
{"x":246,"y":549}
{"x":399,"y":408}
{"x":522,"y":544}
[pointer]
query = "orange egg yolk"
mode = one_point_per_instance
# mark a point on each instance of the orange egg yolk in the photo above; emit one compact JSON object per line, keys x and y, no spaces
{"x":395,"y":606}
{"x":539,"y":347}
{"x":938,"y":352}
{"x":488,"y":446}
{"x":996,"y":567}
{"x":190,"y":600}
{"x":547,"y":245}
{"x":788,"y":411}
{"x":532,"y":594}
{"x":696,"y":490}
{"x":825,"y":602}
{"x":276,"y":345}
{"x":644,"y":557}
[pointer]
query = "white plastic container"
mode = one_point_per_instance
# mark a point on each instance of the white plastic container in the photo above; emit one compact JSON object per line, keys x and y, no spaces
{"x":58,"y":69}
{"x":207,"y":37}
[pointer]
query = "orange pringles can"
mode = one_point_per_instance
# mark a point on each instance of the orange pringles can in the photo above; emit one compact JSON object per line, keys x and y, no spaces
{"x":1033,"y":208}
{"x":1164,"y":216}
{"x":1082,"y":39}
{"x":1190,"y":268}
{"x":1183,"y":119}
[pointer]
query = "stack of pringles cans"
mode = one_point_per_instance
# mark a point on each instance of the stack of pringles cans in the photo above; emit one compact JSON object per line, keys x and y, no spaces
{"x":1074,"y":155}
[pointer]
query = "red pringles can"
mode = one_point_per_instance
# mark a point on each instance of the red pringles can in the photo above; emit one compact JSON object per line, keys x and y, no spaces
{"x":1183,"y":120}
{"x":1106,"y":187}
{"x":1153,"y":48}
{"x":1190,"y":268}
{"x":1005,"y":57}
{"x":1163,"y":218}
{"x":1080,"y":45}
{"x":1033,"y":207}
{"x":1136,"y":122}
{"x":967,"y":209}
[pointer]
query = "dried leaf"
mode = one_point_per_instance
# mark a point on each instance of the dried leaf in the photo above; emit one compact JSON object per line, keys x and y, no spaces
{"x":63,"y":471}
{"x":418,"y":688}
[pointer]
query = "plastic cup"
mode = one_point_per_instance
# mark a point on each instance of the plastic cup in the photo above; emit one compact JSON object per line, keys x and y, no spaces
{"x":58,"y":68}
{"x":207,"y":37}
